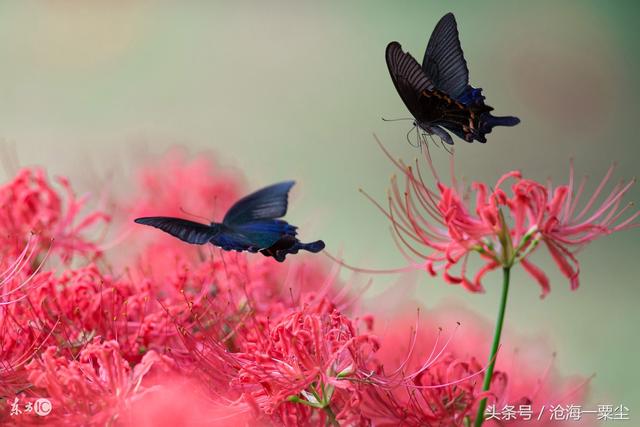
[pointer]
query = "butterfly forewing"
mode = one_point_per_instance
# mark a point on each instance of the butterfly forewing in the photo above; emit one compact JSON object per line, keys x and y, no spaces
{"x":185,"y":230}
{"x":444,"y":61}
{"x":406,"y":73}
{"x":267,"y":203}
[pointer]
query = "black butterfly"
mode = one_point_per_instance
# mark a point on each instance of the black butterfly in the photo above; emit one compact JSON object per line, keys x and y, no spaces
{"x":249,"y":225}
{"x":438,"y":93}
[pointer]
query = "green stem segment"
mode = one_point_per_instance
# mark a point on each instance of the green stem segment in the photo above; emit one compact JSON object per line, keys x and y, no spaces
{"x":331,"y":417}
{"x":494,"y":347}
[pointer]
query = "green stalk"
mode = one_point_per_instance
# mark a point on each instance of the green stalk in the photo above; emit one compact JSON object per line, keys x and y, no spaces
{"x":496,"y":343}
{"x":331,"y":416}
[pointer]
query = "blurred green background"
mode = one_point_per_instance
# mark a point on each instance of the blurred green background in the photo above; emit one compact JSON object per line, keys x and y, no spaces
{"x":296,"y":90}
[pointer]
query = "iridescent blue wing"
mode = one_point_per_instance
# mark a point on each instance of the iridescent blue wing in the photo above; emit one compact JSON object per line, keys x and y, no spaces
{"x":231,"y":241}
{"x":408,"y":78}
{"x":444,"y":61}
{"x":188,"y":231}
{"x":267,"y":203}
{"x":265,"y":233}
{"x":254,"y":236}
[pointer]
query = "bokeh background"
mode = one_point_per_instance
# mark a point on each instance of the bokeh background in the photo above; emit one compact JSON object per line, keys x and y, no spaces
{"x":296,"y":90}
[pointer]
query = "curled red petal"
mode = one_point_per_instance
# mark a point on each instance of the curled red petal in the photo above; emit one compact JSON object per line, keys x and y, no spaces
{"x":538,"y":275}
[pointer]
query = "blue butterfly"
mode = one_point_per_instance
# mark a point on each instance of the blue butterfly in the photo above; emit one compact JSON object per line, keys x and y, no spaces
{"x":438,"y":93}
{"x":251,"y":225}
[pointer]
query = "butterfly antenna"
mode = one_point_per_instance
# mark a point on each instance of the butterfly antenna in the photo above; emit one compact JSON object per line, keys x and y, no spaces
{"x":396,"y":120}
{"x":194,"y":215}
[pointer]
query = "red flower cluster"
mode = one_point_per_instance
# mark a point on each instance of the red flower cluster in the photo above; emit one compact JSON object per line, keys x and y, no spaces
{"x":503,"y":225}
{"x":447,"y":383}
{"x":176,"y":334}
{"x":29,"y":204}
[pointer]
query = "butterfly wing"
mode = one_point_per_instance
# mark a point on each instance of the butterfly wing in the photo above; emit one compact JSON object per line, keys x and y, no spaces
{"x":442,"y":134}
{"x":264,"y":233}
{"x":408,"y":77}
{"x":444,"y":61}
{"x":188,"y":231}
{"x":254,"y":235}
{"x":268,"y":203}
{"x":232,"y":241}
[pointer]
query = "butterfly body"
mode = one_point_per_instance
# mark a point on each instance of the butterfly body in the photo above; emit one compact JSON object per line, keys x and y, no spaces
{"x":436,"y":108}
{"x":251,"y":225}
{"x":437,"y":93}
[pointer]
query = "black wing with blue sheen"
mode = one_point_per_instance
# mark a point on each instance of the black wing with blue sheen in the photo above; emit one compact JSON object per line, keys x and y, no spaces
{"x":185,"y":230}
{"x":231,"y":241}
{"x":407,"y":76}
{"x":265,"y":233}
{"x":444,"y":61}
{"x":268,"y":203}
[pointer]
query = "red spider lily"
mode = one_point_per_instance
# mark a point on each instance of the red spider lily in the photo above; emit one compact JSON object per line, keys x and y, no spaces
{"x":17,"y":344}
{"x":21,"y":274}
{"x":229,"y":338}
{"x":443,"y":393}
{"x":425,"y":387}
{"x":305,"y":358}
{"x":98,"y":388}
{"x":284,"y":356}
{"x":565,"y":228}
{"x":85,"y":303}
{"x":30,"y":204}
{"x":446,"y":388}
{"x":503,"y":227}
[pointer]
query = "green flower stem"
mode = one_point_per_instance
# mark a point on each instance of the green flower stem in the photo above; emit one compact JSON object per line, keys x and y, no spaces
{"x":331,"y":416}
{"x":494,"y":348}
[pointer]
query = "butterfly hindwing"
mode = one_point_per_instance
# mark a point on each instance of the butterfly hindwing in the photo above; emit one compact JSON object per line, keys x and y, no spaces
{"x":268,"y":203}
{"x":185,"y":230}
{"x":264,"y":233}
{"x":443,"y":135}
{"x":231,"y":241}
{"x":444,"y":61}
